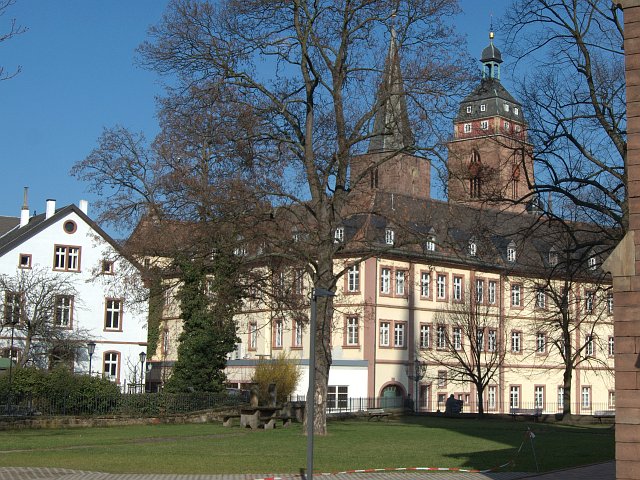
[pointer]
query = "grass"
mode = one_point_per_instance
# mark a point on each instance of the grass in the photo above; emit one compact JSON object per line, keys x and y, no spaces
{"x":212,"y":448}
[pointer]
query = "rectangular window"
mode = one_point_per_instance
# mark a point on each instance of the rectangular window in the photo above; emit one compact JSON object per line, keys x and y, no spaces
{"x":491,"y":397}
{"x":113,"y":314}
{"x":425,"y":336}
{"x":278,"y":334}
{"x":441,"y":285}
{"x":492,"y":341}
{"x":516,"y":295}
{"x":493,"y":286}
{"x":610,"y":303}
{"x":111,"y":365}
{"x":63,"y":311}
{"x":399,"y":335}
{"x":538,"y":397}
{"x":541,"y":343}
{"x":430,"y":245}
{"x":66,"y":258}
{"x":338,"y":235}
{"x":585,"y":397}
{"x":389,"y":236}
{"x":560,"y":398}
{"x":108,"y":267}
{"x":400,"y":282}
{"x":588,"y":301}
{"x":480,"y":291}
{"x":425,"y":284}
{"x":467,"y":127}
{"x":483,"y":107}
{"x":588,"y":347}
{"x":468,"y":108}
{"x":480,"y":339}
{"x":441,"y":336}
{"x":507,"y":125}
{"x":611,"y":346}
{"x":253,"y":335}
{"x":506,"y":107}
{"x":541,"y":298}
{"x":384,"y":334}
{"x":515,"y":111}
{"x":337,"y":397}
{"x":612,"y":399}
{"x":456,"y":337}
{"x":298,"y":281}
{"x":12,"y":307}
{"x":385,"y":281}
{"x":442,"y":378}
{"x":353,"y":332}
{"x":24,"y":260}
{"x":516,"y":341}
{"x":514,"y":396}
{"x":511,"y":253}
{"x":457,"y":289}
{"x":353,"y":278}
{"x":297,"y":334}
{"x":484,"y":124}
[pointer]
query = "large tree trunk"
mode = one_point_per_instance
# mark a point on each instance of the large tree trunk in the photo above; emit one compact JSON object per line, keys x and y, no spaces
{"x":567,"y":378}
{"x":480,"y":389}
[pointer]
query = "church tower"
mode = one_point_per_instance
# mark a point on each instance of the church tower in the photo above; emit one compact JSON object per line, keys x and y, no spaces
{"x":388,"y":166}
{"x":490,"y":161}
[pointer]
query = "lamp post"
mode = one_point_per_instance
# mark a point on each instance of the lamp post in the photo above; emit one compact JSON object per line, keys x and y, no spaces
{"x":315,"y":293}
{"x":143,"y":357}
{"x":418,"y":373}
{"x":91,"y":348}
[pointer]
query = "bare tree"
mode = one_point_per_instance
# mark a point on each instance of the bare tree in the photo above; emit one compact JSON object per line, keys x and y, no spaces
{"x":37,"y":306}
{"x":468,"y":342}
{"x":299,"y":82}
{"x":11,"y":31}
{"x":574,"y":95}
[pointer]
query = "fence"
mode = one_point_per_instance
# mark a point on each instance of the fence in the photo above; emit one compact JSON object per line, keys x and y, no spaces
{"x":125,"y":404}
{"x":546,"y":408}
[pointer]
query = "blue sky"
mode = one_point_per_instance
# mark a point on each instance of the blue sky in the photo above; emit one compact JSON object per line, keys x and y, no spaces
{"x":78,"y":76}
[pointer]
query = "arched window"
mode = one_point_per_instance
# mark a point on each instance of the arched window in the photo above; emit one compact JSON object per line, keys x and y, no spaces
{"x":475,"y":170}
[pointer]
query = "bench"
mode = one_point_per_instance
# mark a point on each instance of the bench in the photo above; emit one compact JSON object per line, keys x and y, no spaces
{"x":228,"y":420}
{"x":600,"y":414}
{"x":377,"y":414}
{"x":534,"y":413}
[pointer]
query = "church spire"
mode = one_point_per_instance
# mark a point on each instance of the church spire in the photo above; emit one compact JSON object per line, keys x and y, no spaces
{"x":491,"y":59}
{"x":391,"y":129}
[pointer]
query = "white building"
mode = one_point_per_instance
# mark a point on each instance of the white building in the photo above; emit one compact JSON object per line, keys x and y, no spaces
{"x":93,"y":295}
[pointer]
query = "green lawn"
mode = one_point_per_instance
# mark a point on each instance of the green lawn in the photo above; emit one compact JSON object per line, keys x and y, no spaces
{"x":212,"y":448}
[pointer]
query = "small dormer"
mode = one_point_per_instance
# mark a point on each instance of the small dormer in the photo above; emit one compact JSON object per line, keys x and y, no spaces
{"x":553,"y":257}
{"x":430,"y":244}
{"x":592,"y":262}
{"x":338,"y":235}
{"x":472,"y":247}
{"x":511,"y":252}
{"x":389,"y":236}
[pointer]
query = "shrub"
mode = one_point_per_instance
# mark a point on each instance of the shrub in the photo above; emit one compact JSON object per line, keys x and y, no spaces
{"x":282,"y":371}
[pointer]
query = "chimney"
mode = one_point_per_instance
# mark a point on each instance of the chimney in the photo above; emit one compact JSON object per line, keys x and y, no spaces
{"x":84,"y":206}
{"x":51,"y":208}
{"x":24,"y":213}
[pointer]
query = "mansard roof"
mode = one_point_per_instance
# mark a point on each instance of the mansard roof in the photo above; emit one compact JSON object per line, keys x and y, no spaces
{"x":492,"y":94}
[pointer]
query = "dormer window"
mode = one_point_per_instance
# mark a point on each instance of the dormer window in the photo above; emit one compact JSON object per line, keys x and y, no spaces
{"x":241,"y":249}
{"x":472,"y":248}
{"x":593,"y":263}
{"x":430,"y":245}
{"x":483,"y":107}
{"x":468,"y":108}
{"x":506,"y":107}
{"x":389,"y":236}
{"x":338,"y":235}
{"x":511,"y":252}
{"x":553,"y":257}
{"x":516,"y":111}
{"x":295,"y":236}
{"x":467,"y":128}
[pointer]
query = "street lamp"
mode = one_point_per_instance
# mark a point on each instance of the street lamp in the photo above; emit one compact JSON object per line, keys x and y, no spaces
{"x":91,"y":348}
{"x":418,"y":373}
{"x":143,"y":357}
{"x":315,"y":293}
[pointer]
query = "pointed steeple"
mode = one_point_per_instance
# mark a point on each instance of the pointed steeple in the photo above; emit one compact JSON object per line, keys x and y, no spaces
{"x":391,"y":129}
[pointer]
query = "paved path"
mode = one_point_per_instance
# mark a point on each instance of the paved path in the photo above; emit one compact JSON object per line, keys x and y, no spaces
{"x":600,"y":471}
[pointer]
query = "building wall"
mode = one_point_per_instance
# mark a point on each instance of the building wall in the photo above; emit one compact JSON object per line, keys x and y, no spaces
{"x":93,"y":288}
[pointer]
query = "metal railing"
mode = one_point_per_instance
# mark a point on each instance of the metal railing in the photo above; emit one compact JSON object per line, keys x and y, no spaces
{"x":124,"y":404}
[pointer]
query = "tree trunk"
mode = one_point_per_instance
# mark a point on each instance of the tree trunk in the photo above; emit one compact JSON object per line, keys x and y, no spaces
{"x":566,"y":384}
{"x":480,"y":389}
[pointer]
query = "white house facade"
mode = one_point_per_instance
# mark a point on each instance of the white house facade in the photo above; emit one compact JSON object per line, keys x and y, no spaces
{"x":100,"y":303}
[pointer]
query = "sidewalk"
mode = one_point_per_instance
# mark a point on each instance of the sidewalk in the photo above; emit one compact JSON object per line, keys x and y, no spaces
{"x":600,"y":471}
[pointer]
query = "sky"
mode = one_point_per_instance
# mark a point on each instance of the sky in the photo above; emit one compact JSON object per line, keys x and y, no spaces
{"x":79,"y":76}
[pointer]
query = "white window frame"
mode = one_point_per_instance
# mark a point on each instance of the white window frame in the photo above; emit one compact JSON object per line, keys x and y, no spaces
{"x":353,"y":331}
{"x":389,"y":236}
{"x":338,"y":235}
{"x":516,"y":295}
{"x":491,"y":397}
{"x":538,"y":396}
{"x":479,"y":291}
{"x":473,"y":248}
{"x":456,"y":338}
{"x":399,"y":335}
{"x":384,"y":332}
{"x":63,"y":311}
{"x":278,"y":334}
{"x":492,"y":340}
{"x":514,"y":396}
{"x":353,"y":278}
{"x":516,"y":111}
{"x":298,"y":334}
{"x":511,"y":253}
{"x":253,"y":335}
{"x":483,"y":107}
{"x":469,"y":109}
{"x":585,"y":397}
{"x":401,"y":276}
{"x":67,"y":258}
{"x":541,"y":342}
{"x":516,"y":341}
{"x":611,"y":346}
{"x":425,"y":335}
{"x":425,"y":284}
{"x":589,"y":346}
{"x":506,"y":107}
{"x":113,"y":314}
{"x":441,"y":284}
{"x":385,"y":280}
{"x":484,"y":124}
{"x":493,"y":289}
{"x":111,"y":365}
{"x":441,"y":336}
{"x":467,"y":128}
{"x":541,"y":298}
{"x":431,"y":244}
